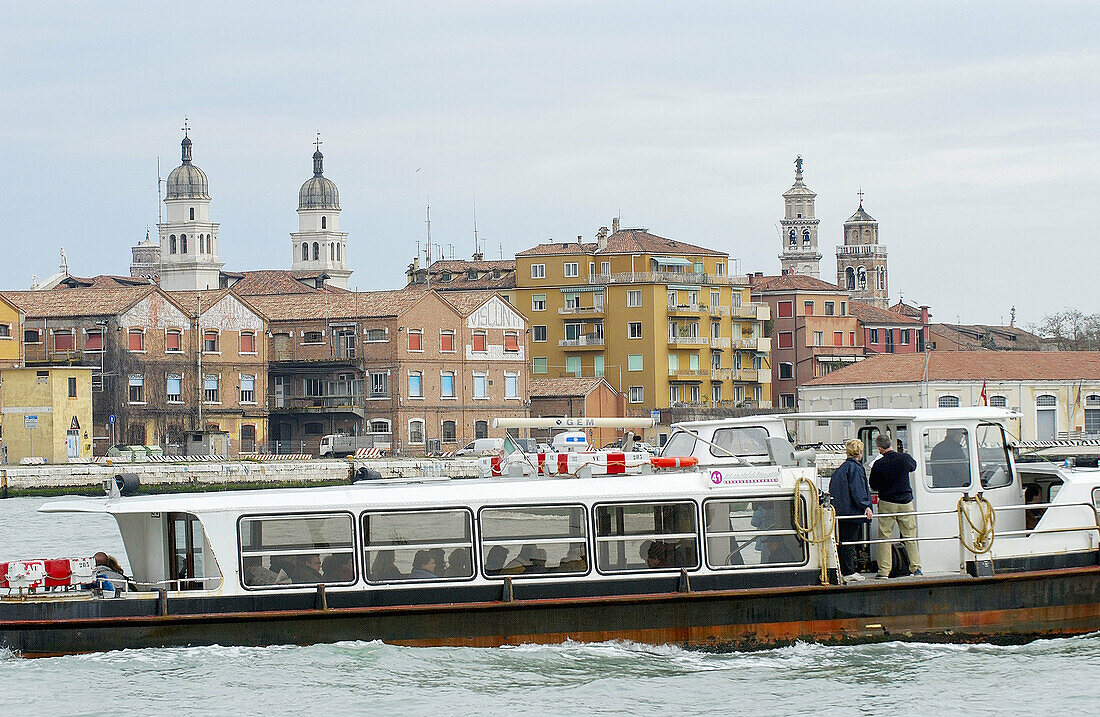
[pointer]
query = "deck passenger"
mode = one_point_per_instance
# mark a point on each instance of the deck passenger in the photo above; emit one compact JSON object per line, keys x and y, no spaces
{"x":108,"y":573}
{"x":424,"y":566}
{"x":384,"y":568}
{"x":851,"y":496}
{"x":890,"y":477}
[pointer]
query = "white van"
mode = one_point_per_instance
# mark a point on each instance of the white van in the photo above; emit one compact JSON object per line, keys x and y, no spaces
{"x":482,"y":447}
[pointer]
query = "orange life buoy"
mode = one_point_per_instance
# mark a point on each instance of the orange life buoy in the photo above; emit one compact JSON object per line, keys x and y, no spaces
{"x":673,"y":462}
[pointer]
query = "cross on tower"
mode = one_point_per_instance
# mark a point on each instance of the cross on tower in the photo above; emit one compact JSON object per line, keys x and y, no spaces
{"x":186,"y":128}
{"x":860,"y":193}
{"x":317,"y":144}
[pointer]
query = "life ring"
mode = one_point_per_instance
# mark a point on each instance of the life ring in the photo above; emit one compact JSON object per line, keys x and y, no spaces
{"x":673,"y":462}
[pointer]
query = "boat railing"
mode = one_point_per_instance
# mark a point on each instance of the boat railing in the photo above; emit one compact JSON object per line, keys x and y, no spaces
{"x":176,"y":584}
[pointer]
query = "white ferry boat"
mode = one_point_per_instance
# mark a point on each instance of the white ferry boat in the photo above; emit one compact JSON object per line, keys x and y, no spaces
{"x":736,"y":550}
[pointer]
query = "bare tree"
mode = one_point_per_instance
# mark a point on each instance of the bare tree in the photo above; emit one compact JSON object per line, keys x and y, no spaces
{"x":1071,"y":330}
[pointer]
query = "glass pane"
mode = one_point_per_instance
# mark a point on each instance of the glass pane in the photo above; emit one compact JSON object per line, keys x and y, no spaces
{"x":295,"y":533}
{"x":424,"y":528}
{"x":532,"y":522}
{"x":993,"y":466}
{"x":947,"y":457}
{"x":645,"y":519}
{"x":402,"y":564}
{"x":681,"y":444}
{"x":748,"y":441}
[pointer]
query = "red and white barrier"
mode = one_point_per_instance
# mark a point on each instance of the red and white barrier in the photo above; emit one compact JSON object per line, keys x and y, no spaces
{"x":60,"y":572}
{"x":370,"y":453}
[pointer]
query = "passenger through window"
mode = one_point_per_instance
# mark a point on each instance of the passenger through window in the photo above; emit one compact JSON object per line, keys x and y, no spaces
{"x":742,"y":442}
{"x":993,"y":465}
{"x":418,"y":545}
{"x":646,"y":536}
{"x":745,"y":534}
{"x":947,"y":457}
{"x":529,"y":540}
{"x":297,"y":550}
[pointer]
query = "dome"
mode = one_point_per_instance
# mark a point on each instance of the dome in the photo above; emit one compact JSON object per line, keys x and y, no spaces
{"x":318,"y":192}
{"x":861,"y":215}
{"x":187,"y":181}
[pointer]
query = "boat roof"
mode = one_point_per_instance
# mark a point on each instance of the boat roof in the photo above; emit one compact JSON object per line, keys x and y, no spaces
{"x":964,"y":413}
{"x":401,"y":493}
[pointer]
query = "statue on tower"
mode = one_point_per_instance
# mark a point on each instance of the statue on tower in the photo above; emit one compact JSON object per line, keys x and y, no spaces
{"x":798,"y":167}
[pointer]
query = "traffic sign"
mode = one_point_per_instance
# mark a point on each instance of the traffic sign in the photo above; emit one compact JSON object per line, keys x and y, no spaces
{"x":656,"y":416}
{"x":30,"y":422}
{"x":111,"y":419}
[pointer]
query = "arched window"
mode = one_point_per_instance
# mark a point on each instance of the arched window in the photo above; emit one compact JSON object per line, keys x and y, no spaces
{"x":192,"y":217}
{"x":324,"y":222}
{"x":948,"y":402}
{"x":338,"y":253}
{"x":183,"y":243}
{"x":331,"y":252}
{"x":859,"y":404}
{"x":882,"y":278}
{"x":850,"y":279}
{"x":448,"y":431}
{"x":305,"y":251}
{"x":1046,"y":417}
{"x":416,"y":431}
{"x":316,"y":251}
{"x":172,"y":244}
{"x":793,"y":240}
{"x":806,"y":239}
{"x":1046,"y":401}
{"x":481,"y":429}
{"x":862,"y":281}
{"x":380,"y":425}
{"x":998,"y":402}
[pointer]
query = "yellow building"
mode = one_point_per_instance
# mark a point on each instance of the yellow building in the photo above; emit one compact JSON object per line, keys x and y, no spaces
{"x":11,"y":334}
{"x":663,"y":321}
{"x":46,"y":412}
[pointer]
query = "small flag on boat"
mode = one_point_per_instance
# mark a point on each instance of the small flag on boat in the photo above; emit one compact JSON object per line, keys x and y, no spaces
{"x":985,"y":398}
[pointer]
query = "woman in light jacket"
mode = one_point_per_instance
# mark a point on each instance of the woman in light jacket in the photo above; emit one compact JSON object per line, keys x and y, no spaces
{"x":851,"y":496}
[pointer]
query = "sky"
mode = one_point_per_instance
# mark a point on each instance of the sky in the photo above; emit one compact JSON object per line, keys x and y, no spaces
{"x":972,"y":129}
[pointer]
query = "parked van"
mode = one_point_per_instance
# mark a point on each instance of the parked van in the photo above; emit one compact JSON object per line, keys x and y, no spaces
{"x":481,"y":447}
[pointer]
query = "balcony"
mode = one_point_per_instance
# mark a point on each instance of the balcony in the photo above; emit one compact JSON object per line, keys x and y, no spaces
{"x":668,"y":277}
{"x":716,"y":310}
{"x":588,"y":341}
{"x":684,"y":374}
{"x":687,"y":309}
{"x":720,"y":343}
{"x":688,"y":340}
{"x":755,"y":344}
{"x":757,"y":310}
{"x":581,"y":311}
{"x":348,"y":403}
{"x":861,"y":250}
{"x":750,"y":375}
{"x":721,"y":374}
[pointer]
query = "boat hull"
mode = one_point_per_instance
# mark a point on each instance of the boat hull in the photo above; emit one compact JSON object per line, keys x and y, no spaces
{"x":1003,"y":608}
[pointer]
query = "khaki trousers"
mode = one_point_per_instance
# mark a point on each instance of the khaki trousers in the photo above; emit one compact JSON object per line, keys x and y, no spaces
{"x":907,"y":524}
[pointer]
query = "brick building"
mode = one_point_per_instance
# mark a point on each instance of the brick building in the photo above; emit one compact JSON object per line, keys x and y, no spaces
{"x":578,"y":398}
{"x":890,"y":332}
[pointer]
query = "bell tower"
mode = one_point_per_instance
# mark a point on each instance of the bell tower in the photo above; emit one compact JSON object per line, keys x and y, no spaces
{"x":319,"y":245}
{"x":798,"y":228}
{"x":861,"y":261}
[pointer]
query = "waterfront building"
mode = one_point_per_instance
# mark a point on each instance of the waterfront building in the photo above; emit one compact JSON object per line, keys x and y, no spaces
{"x":46,"y":414}
{"x":11,"y":334}
{"x":798,"y":229}
{"x":663,"y":321}
{"x":861,"y":260}
{"x":188,"y":239}
{"x":577,"y":398}
{"x":477,"y":274}
{"x":888,"y":332}
{"x":162,"y":364}
{"x":813,"y":332}
{"x":1057,"y":393}
{"x":413,"y":370}
{"x":319,"y":245}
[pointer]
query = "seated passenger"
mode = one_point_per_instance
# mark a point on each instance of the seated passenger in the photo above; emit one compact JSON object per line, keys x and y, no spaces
{"x":574,"y":561}
{"x":307,"y":570}
{"x":338,"y":568}
{"x":521,"y":562}
{"x":950,"y":461}
{"x":440,"y":557}
{"x":538,"y":561}
{"x":108,"y":573}
{"x":424,"y":566}
{"x":256,"y":574}
{"x":284,"y":566}
{"x":656,"y":554}
{"x":384,"y":568}
{"x":1033,"y":494}
{"x":494,"y":560}
{"x":458,"y":565}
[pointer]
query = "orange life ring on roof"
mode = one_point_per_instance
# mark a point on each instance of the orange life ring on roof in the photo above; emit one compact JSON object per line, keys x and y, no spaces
{"x":673,"y":462}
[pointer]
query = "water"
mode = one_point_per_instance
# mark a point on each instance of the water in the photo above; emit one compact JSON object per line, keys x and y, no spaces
{"x":1044,"y":677}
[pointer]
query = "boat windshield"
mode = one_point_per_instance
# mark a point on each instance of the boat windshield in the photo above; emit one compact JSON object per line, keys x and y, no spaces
{"x":682,"y":443}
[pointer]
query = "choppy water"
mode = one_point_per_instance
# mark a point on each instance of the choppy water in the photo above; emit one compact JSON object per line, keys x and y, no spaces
{"x":1046,"y":677}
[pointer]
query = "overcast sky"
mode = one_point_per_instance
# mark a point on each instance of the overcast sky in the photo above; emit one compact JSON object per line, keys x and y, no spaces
{"x":972,"y":128}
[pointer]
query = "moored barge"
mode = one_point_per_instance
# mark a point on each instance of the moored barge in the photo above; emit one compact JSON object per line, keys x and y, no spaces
{"x":735,"y":551}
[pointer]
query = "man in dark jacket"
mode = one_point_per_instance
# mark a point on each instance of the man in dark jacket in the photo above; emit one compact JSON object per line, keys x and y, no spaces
{"x":890,"y":477}
{"x":848,"y":487}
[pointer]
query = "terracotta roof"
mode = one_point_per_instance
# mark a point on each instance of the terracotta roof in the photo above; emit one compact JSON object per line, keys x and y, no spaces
{"x":551,"y":248}
{"x":554,"y":387}
{"x":78,"y":301}
{"x":103,"y":281}
{"x":792,"y":282}
{"x":624,"y":241}
{"x":906,"y":309}
{"x":971,"y":335}
{"x":968,"y":366}
{"x":454,"y":274}
{"x":869,"y":314}
{"x":336,"y":305}
{"x":257,"y":283}
{"x":465,"y":301}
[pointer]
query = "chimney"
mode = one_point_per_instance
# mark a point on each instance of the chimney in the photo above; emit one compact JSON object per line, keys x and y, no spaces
{"x":479,"y":256}
{"x":614,"y":225}
{"x":601,"y":239}
{"x":925,"y":316}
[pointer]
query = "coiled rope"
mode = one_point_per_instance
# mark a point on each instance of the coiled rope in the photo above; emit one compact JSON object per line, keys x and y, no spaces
{"x":983,"y":532}
{"x":821,"y":525}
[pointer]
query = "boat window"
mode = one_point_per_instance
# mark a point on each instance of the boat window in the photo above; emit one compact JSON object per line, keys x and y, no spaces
{"x":288,"y":550}
{"x":418,"y":545}
{"x":682,"y":443}
{"x":743,"y":441}
{"x":646,"y":536}
{"x":947,"y":457}
{"x":993,"y":465}
{"x":186,"y":567}
{"x":534,"y":540}
{"x":751,"y":533}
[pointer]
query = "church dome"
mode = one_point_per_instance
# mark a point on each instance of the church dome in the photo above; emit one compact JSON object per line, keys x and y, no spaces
{"x":187,"y":181}
{"x":861,"y":215}
{"x":318,"y":192}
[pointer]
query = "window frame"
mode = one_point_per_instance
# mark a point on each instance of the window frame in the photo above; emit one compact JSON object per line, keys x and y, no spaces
{"x":419,"y":334}
{"x":131,"y":332}
{"x":535,"y":333}
{"x":571,"y":269}
{"x":588,"y":533}
{"x":595,"y":562}
{"x":797,"y":504}
{"x":417,"y":581}
{"x":538,"y":271}
{"x":301,"y":516}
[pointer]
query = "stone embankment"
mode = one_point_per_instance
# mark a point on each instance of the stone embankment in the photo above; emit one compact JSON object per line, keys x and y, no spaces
{"x":182,"y":477}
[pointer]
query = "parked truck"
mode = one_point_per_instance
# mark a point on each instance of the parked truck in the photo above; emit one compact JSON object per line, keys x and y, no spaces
{"x":340,"y":445}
